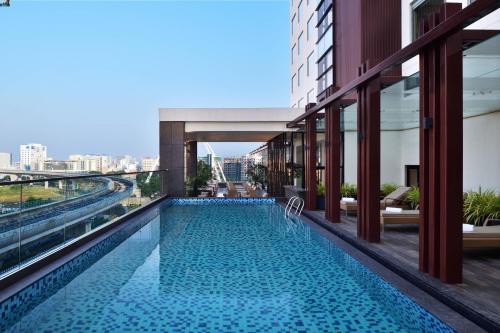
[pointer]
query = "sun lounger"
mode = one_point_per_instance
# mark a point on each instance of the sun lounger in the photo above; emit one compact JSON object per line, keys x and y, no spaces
{"x":402,"y":217}
{"x":482,"y":237}
{"x":392,"y":199}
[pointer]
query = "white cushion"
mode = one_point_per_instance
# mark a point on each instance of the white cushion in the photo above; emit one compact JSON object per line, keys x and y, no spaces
{"x":467,"y":227}
{"x":394,"y":209}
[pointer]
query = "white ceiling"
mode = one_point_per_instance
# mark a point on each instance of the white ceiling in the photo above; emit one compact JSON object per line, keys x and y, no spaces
{"x":481,"y":72}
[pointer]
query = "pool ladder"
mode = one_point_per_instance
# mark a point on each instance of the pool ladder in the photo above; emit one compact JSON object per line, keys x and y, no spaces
{"x":290,"y":205}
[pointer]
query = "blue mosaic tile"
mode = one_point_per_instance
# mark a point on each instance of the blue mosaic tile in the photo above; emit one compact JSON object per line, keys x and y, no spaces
{"x":229,"y":266}
{"x":221,"y":201}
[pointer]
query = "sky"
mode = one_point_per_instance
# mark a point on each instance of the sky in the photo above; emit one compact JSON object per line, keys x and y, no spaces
{"x":89,"y":77}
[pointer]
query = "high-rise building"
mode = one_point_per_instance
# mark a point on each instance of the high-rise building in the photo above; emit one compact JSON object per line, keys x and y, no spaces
{"x":206,"y":159}
{"x":303,"y":53}
{"x":5,"y":160}
{"x":246,"y":162}
{"x":32,"y":156}
{"x":148,"y":164}
{"x":232,"y":168}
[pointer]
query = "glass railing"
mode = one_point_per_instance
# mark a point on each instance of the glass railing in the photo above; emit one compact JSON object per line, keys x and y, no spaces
{"x":40,"y":215}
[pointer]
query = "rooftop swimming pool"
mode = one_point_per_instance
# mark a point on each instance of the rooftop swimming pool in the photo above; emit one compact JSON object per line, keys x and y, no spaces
{"x":216,"y":265}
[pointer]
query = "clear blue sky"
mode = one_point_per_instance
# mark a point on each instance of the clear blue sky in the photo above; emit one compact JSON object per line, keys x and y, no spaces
{"x":89,"y":77}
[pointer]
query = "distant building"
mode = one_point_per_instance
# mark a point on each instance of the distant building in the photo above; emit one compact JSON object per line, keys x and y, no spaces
{"x":66,"y":166}
{"x":125,"y":163}
{"x":232,"y":168}
{"x":5,"y":160}
{"x":32,"y":156}
{"x":206,"y":159}
{"x":246,"y":162}
{"x":148,"y":164}
{"x":89,"y":163}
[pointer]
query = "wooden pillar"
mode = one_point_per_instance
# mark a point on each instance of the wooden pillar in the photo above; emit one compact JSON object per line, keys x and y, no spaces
{"x":310,"y":162}
{"x":332,"y":136}
{"x":191,"y":158}
{"x":441,"y":154}
{"x":369,"y":160}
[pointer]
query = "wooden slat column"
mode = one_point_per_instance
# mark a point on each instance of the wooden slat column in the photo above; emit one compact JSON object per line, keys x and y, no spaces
{"x":369,"y":160}
{"x":310,"y":162}
{"x":441,"y":154}
{"x":332,"y":136}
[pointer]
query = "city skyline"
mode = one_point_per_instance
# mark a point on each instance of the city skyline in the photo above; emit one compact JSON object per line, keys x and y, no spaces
{"x":51,"y":65}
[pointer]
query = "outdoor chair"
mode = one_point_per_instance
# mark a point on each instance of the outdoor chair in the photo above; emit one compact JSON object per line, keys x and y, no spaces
{"x":403,"y":217}
{"x":482,"y":237}
{"x":393,"y":199}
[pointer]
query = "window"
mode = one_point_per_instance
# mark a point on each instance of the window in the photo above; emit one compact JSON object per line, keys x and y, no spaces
{"x":299,"y":12}
{"x":325,"y":43}
{"x":293,"y":23}
{"x":299,"y":103}
{"x":293,"y":53}
{"x":310,"y":63}
{"x":325,"y":63}
{"x":310,"y":96}
{"x":325,"y":24}
{"x":421,"y":10}
{"x":299,"y":75}
{"x":325,"y":81}
{"x":299,"y":43}
{"x":310,"y":27}
{"x":293,"y":82}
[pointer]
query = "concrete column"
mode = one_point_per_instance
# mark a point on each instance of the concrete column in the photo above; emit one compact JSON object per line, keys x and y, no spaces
{"x":172,"y":157}
{"x":191,"y":158}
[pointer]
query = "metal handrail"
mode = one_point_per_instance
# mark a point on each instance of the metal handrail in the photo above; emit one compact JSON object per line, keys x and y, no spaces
{"x":290,"y":205}
{"x":42,"y":180}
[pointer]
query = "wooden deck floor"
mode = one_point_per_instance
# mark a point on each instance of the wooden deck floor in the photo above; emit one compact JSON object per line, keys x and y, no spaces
{"x":480,"y":289}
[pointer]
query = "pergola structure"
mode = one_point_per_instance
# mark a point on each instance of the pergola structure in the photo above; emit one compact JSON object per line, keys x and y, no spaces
{"x":182,"y":128}
{"x":440,"y":49}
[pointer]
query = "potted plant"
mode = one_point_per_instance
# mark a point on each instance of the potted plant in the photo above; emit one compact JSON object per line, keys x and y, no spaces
{"x":412,"y":198}
{"x":320,"y":196}
{"x":348,"y":191}
{"x":481,"y":205}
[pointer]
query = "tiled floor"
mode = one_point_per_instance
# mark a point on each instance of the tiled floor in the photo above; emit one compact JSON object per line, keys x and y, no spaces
{"x":399,"y":244}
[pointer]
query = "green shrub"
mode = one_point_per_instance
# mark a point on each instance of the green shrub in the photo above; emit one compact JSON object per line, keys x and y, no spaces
{"x":481,"y":205}
{"x":388,"y":188}
{"x":320,"y":190}
{"x":412,"y":197}
{"x":348,"y":191}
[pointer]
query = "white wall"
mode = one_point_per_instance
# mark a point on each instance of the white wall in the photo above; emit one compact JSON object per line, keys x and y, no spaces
{"x":307,"y":47}
{"x":482,"y":152}
{"x":481,"y":149}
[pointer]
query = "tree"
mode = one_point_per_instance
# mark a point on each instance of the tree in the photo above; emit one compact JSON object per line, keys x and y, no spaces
{"x":257,"y":173}
{"x":148,"y":189}
{"x":203,"y":175}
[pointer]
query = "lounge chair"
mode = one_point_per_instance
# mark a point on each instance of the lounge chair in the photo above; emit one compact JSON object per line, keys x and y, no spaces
{"x":393,"y":199}
{"x":231,"y":193}
{"x":403,"y":217}
{"x":482,"y":237}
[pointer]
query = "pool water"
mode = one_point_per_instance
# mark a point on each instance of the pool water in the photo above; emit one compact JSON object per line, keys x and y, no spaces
{"x":228,"y":267}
